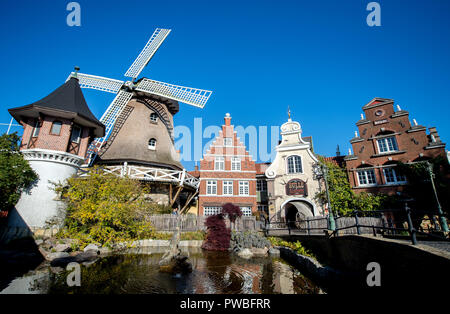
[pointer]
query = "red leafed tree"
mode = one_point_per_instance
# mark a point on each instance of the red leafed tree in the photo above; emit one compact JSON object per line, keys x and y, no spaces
{"x":218,"y":235}
{"x":232,"y":211}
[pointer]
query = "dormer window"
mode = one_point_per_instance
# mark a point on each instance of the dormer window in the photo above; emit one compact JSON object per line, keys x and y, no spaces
{"x":387,"y":144}
{"x":152,"y":144}
{"x":56,"y":128}
{"x":153,"y":117}
{"x":37,"y":128}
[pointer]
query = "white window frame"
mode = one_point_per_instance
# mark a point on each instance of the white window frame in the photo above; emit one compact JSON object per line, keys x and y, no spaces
{"x":244,"y":188}
{"x":227,"y":187}
{"x":395,"y":176}
{"x":36,"y":129}
{"x":227,"y":141}
{"x":246,"y":211}
{"x":153,"y":117}
{"x":366,"y":177}
{"x":219,"y":161}
{"x":211,"y":210}
{"x":56,"y":123}
{"x":211,"y":187}
{"x":79,"y":135}
{"x":235,"y":164}
{"x":152,"y":143}
{"x":385,"y":141}
{"x":295,"y":170}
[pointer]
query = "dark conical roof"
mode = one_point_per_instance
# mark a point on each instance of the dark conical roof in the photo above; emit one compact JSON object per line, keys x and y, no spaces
{"x":67,"y":101}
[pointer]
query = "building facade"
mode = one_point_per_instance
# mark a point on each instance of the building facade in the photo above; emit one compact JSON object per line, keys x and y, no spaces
{"x":384,"y":138}
{"x":291,"y":178}
{"x":227,"y":174}
{"x":56,"y":135}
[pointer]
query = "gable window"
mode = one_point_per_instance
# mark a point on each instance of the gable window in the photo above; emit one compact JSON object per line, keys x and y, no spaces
{"x":37,"y":128}
{"x":367,"y":177}
{"x":153,"y":117}
{"x":227,"y":187}
{"x":76,"y":134}
{"x":219,"y":163}
{"x":392,"y":176}
{"x":56,"y":128}
{"x":211,"y":187}
{"x":236,"y":163}
{"x":294,"y":164}
{"x":152,"y":144}
{"x":228,"y":141}
{"x":261,"y":185}
{"x":243,"y":188}
{"x":387,"y":144}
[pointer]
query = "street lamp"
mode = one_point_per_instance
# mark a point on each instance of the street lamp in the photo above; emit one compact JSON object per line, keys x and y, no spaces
{"x":441,"y":214}
{"x":322,"y":171}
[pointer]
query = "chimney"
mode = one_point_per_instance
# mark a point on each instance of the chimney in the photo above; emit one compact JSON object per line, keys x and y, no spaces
{"x":227,"y":119}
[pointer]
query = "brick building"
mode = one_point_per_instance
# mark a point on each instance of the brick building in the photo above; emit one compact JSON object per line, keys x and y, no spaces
{"x":384,"y":138}
{"x":227,"y":174}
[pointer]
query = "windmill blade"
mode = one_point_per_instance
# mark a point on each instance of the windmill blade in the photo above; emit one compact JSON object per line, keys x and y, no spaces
{"x":191,"y":96}
{"x":97,"y":82}
{"x":147,"y":53}
{"x":109,"y":119}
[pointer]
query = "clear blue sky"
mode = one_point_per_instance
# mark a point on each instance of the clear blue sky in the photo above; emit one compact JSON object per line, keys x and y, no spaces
{"x":318,"y":57}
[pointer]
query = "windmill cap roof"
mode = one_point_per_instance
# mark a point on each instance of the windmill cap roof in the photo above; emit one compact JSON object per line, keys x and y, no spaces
{"x":67,"y":101}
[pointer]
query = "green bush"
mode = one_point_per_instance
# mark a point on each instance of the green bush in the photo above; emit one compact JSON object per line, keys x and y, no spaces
{"x":296,"y":246}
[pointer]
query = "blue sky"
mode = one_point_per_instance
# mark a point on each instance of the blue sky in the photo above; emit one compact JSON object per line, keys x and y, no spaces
{"x":318,"y":57}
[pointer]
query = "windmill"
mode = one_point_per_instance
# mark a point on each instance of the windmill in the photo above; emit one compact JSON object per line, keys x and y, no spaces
{"x":125,"y":90}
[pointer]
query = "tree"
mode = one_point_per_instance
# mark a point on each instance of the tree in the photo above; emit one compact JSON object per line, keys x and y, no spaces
{"x":105,"y":208}
{"x":342,"y":198}
{"x":16,"y":175}
{"x":218,"y":235}
{"x":232,"y":211}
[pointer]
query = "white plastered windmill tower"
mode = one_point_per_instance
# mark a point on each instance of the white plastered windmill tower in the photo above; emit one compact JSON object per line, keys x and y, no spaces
{"x":138,"y":139}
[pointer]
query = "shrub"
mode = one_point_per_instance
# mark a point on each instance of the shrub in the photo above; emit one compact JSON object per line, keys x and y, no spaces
{"x":296,"y":246}
{"x":105,"y":209}
{"x":218,"y":235}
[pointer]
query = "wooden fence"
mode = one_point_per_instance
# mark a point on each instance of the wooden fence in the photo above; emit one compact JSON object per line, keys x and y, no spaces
{"x":168,"y":222}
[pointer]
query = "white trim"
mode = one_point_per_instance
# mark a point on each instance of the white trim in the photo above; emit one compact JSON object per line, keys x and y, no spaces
{"x":223,"y":187}
{"x":243,"y":171}
{"x":212,"y":187}
{"x":228,"y":179}
{"x":388,"y":151}
{"x":367,"y":178}
{"x":287,"y":164}
{"x":250,"y":196}
{"x":315,"y":211}
{"x":246,"y":186}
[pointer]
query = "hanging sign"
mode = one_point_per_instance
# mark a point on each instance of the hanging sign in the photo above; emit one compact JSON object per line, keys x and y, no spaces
{"x":296,"y":187}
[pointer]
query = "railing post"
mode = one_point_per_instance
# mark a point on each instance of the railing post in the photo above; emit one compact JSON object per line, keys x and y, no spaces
{"x":358,"y":230}
{"x":307,"y":225}
{"x":289,"y":228}
{"x":411,"y":229}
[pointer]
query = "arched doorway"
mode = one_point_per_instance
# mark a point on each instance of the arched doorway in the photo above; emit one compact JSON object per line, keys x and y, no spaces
{"x":296,"y":211}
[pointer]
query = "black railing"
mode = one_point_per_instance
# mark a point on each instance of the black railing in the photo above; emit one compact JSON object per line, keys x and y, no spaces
{"x":389,"y":223}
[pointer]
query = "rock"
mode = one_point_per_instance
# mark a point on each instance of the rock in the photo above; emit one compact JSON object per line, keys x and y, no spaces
{"x":63,"y":248}
{"x":105,"y":250}
{"x":259,"y":251}
{"x":274,"y":251}
{"x":57,"y":255}
{"x":39,"y":241}
{"x":92,"y":247}
{"x":245,"y":253}
{"x":82,"y":257}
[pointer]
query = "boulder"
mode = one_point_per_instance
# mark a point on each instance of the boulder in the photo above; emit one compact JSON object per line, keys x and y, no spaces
{"x":245,"y":253}
{"x":57,"y":255}
{"x":38,"y":241}
{"x":92,"y":247}
{"x":274,"y":251}
{"x":259,"y":251}
{"x":82,"y":257}
{"x":63,"y":248}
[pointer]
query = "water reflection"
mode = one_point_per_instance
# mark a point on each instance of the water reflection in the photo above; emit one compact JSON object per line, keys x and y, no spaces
{"x":213,"y":272}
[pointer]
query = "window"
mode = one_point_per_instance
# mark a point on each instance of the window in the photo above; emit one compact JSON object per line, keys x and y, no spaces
{"x":246,"y":211}
{"x":294,"y":164}
{"x":228,"y":141}
{"x":261,"y":185}
{"x":219,"y":163}
{"x":387,"y":144}
{"x":76,"y":134}
{"x":236,"y":163}
{"x":152,"y":144}
{"x":262,"y":208}
{"x":56,"y":128}
{"x":37,"y":128}
{"x":367,"y":177}
{"x":153,"y":117}
{"x":227,"y":187}
{"x":211,"y":187}
{"x":211,"y":210}
{"x":392,"y":176}
{"x":243,"y":188}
